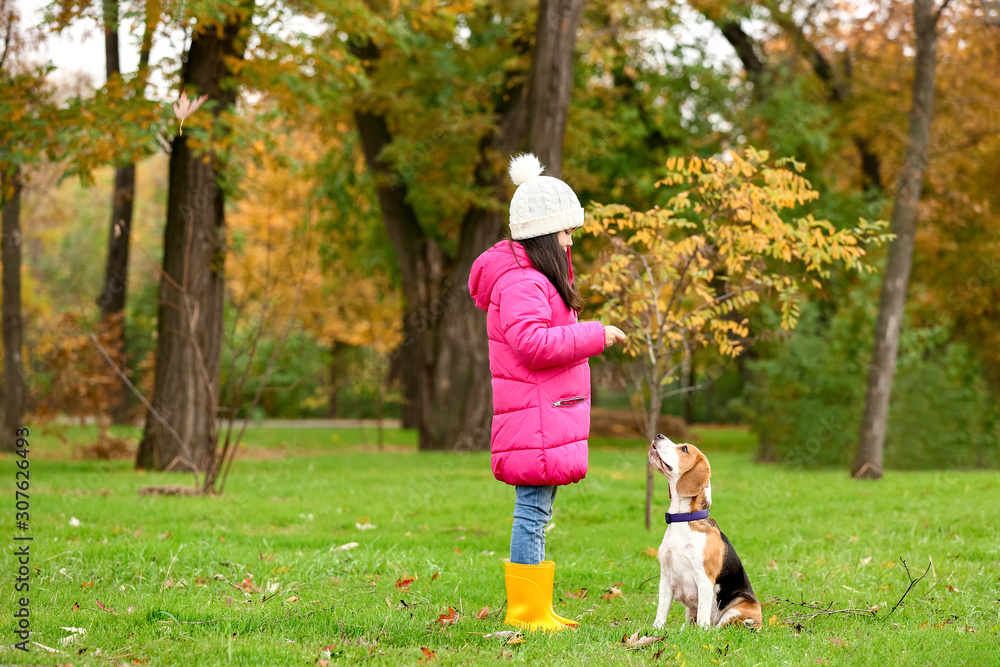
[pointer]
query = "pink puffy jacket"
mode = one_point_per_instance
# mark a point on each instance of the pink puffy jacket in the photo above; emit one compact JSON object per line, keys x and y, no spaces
{"x":538,"y":360}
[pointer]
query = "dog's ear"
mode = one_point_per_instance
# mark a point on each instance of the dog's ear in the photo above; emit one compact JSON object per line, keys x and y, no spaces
{"x":695,"y":479}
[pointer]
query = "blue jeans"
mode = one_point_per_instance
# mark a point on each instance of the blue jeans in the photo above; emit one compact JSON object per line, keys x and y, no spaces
{"x":532,"y":512}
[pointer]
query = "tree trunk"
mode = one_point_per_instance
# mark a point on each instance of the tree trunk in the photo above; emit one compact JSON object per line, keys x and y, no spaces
{"x":112,"y":299}
{"x":686,"y":384}
{"x":13,"y":366}
{"x":446,"y":367}
{"x":652,"y":421}
{"x":868,"y":460}
{"x":189,"y":314}
{"x":551,"y":80}
{"x":336,"y":354}
{"x":446,"y":378}
{"x":113,"y":294}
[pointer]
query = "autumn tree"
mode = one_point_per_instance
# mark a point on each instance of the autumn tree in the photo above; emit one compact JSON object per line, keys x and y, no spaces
{"x":189,"y":314}
{"x":675,"y":276}
{"x":115,"y":290}
{"x":446,"y":386}
{"x":29,"y":124}
{"x":868,"y":461}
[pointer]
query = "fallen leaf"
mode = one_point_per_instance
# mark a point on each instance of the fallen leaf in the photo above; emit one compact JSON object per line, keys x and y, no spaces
{"x":865,"y":561}
{"x":579,"y":595}
{"x":650,"y":551}
{"x":75,"y":635}
{"x":798,"y":575}
{"x":836,"y":641}
{"x":76,"y":606}
{"x":502,"y":634}
{"x":248,"y":585}
{"x":200,"y":581}
{"x":854,"y":538}
{"x":516,"y":639}
{"x":109,"y":609}
{"x":437,"y":575}
{"x":403,"y":583}
{"x":164,"y":536}
{"x":458,"y":551}
{"x":88,"y":584}
{"x":952,"y":589}
{"x":365,"y":526}
{"x":483,"y":613}
{"x":428,"y":654}
{"x":612,"y":593}
{"x":973,"y":630}
{"x":635,"y":641}
{"x":268,"y":557}
{"x":448,"y":619}
{"x":294,"y":598}
{"x":772,"y":566}
{"x":73,"y":521}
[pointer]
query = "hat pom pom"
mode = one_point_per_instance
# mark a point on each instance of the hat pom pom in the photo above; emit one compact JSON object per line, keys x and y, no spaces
{"x":524,"y":167}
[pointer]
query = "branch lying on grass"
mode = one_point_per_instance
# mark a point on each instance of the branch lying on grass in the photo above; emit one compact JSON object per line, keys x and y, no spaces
{"x":818,"y":610}
{"x":913,"y":583}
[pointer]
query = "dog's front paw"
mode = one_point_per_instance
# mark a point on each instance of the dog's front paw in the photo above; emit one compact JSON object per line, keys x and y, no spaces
{"x":658,"y":624}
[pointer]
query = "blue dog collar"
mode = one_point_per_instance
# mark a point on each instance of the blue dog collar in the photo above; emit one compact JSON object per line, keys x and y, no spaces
{"x":684,"y":518}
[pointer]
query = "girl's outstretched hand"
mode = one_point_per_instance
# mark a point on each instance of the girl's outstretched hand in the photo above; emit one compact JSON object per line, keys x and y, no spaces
{"x":612,"y":334}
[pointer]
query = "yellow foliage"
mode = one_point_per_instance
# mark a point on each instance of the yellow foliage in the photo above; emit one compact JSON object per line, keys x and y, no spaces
{"x":680,"y":278}
{"x":276,"y":261}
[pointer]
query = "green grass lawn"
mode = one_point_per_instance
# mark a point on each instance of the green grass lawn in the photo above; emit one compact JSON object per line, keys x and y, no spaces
{"x":187,"y":578}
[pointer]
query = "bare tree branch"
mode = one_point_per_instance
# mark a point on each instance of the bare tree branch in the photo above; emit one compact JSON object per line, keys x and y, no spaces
{"x":913,"y":582}
{"x":152,"y":411}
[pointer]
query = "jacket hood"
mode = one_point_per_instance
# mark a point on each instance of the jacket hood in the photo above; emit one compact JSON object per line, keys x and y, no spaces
{"x":505,"y":256}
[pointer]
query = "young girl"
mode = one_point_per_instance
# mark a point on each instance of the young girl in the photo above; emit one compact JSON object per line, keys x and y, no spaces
{"x":541,"y":378}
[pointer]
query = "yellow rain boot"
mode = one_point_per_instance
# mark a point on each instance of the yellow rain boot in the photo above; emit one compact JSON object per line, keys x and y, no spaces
{"x":547,"y":594}
{"x":529,"y":596}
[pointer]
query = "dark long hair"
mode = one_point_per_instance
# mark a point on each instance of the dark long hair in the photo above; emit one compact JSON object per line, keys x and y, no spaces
{"x":550,"y":260}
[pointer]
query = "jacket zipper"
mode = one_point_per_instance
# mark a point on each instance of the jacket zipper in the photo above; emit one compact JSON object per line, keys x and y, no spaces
{"x":569,"y":401}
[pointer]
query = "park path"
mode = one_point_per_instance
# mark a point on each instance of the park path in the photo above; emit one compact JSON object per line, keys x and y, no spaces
{"x":270,"y":423}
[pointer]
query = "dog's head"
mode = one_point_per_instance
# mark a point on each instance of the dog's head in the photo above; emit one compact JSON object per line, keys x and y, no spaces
{"x":680,"y":463}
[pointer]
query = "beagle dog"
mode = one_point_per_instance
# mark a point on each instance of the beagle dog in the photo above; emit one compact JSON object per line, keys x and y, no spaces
{"x":698,"y":565}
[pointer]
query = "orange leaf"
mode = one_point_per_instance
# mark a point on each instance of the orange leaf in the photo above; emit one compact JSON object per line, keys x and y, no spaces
{"x":448,"y":619}
{"x":612,"y":593}
{"x":483,"y":613}
{"x":650,"y":551}
{"x":579,"y":595}
{"x":428,"y":654}
{"x":110,"y":610}
{"x":404,"y":582}
{"x":437,"y":575}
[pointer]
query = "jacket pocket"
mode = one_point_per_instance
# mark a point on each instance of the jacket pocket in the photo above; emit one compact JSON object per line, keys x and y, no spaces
{"x":567,"y":402}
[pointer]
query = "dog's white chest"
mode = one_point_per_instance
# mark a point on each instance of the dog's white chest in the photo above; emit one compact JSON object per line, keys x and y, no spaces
{"x":681,"y":556}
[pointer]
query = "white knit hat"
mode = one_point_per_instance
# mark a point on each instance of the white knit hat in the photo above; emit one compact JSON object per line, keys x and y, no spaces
{"x":541,"y":204}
